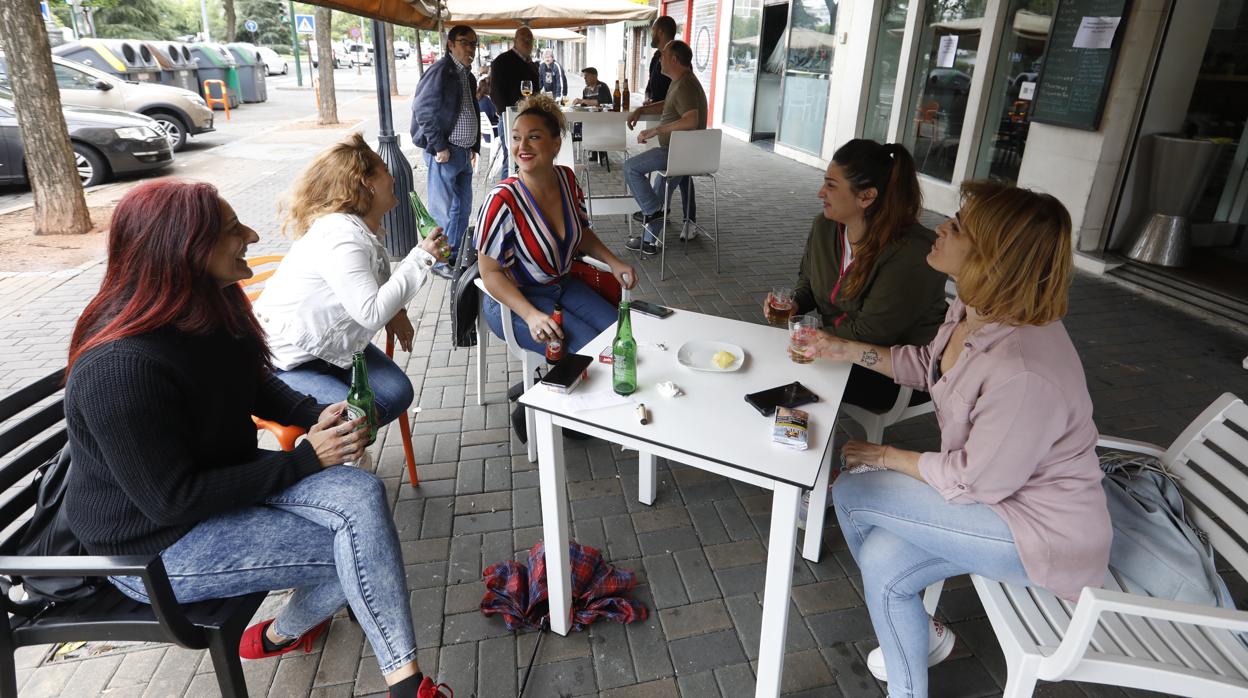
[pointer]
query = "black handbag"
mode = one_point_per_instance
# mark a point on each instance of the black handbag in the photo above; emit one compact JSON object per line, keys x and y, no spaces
{"x":48,"y":533}
{"x":465,"y":296}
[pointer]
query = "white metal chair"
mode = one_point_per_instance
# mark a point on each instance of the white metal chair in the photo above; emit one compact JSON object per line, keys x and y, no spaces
{"x":495,"y":144}
{"x":1130,"y":640}
{"x":599,"y":135}
{"x":529,"y":360}
{"x":692,"y":154}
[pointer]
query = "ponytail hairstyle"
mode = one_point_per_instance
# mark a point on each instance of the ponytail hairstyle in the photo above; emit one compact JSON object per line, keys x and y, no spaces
{"x":889,"y":169}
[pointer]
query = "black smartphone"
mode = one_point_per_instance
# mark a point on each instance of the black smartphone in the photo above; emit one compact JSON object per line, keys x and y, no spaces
{"x":564,"y":376}
{"x":651,"y":309}
{"x":792,"y":395}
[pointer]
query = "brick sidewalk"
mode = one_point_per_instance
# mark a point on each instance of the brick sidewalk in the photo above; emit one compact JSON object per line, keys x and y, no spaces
{"x":699,"y":550}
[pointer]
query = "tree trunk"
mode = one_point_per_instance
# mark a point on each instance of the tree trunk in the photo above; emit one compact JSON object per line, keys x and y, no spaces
{"x":394,"y":74}
{"x":327,"y":101}
{"x":60,"y":206}
{"x":231,"y":21}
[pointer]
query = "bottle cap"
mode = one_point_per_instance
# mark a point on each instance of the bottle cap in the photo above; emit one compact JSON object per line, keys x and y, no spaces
{"x":625,"y":293}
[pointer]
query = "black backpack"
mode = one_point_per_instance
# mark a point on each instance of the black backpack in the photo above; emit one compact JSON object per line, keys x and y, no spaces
{"x":48,"y":533}
{"x":465,"y":296}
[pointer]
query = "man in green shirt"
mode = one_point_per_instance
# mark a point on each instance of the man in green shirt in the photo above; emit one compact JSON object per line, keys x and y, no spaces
{"x":683,"y":109}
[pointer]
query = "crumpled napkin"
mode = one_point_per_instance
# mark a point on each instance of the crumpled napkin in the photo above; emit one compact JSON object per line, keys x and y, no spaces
{"x":668,"y":389}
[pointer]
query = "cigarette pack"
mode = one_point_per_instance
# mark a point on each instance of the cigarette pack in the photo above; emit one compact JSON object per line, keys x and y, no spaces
{"x":790,"y":429}
{"x":606,"y":356}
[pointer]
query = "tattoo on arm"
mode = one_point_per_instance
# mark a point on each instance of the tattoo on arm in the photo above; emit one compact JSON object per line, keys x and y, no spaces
{"x":870,"y":357}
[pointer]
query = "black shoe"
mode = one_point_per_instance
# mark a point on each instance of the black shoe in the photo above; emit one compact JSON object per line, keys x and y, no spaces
{"x":443,"y":270}
{"x":633,"y":243}
{"x":649,"y":248}
{"x":519,"y":424}
{"x":643,"y":218}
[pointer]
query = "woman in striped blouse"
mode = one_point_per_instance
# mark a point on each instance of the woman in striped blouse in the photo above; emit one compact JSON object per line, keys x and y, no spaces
{"x":530,"y":228}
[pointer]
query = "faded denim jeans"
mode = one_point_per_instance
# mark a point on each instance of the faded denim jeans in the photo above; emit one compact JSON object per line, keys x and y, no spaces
{"x":392,"y":389}
{"x":329,"y":536}
{"x":905,"y":536}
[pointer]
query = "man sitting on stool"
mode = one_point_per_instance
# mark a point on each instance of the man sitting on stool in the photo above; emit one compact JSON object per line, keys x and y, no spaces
{"x":683,"y":109}
{"x":595,"y":94}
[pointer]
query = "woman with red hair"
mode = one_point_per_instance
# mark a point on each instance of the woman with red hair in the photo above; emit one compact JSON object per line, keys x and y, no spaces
{"x":166,"y":367}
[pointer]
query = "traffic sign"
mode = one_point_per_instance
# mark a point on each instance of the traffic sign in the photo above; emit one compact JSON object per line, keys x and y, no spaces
{"x":47,"y":11}
{"x":354,"y":32}
{"x":250,"y":25}
{"x":305,"y":24}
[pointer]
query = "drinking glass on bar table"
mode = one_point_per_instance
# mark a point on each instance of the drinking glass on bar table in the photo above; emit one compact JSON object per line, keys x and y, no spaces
{"x":803,"y":331}
{"x":526,"y":87}
{"x":780,"y":306}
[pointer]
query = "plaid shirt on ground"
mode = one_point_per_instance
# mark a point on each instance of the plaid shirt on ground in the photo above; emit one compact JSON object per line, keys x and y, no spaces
{"x":519,"y":593}
{"x":468,"y":123}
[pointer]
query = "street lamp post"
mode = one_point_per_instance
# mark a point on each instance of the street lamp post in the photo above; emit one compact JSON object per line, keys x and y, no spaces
{"x":399,"y":222}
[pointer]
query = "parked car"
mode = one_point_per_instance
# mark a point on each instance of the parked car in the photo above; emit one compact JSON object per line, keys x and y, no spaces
{"x":339,"y":59}
{"x":274,"y":62}
{"x":402,"y":49}
{"x":106,"y":142}
{"x":360,"y":54}
{"x":180,"y":113}
{"x":429,"y":58}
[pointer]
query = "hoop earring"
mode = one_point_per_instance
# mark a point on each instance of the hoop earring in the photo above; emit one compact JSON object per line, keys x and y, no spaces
{"x":371,"y":191}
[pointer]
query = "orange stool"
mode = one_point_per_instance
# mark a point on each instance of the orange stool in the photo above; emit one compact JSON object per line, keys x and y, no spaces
{"x":223,"y":100}
{"x":287,"y":435}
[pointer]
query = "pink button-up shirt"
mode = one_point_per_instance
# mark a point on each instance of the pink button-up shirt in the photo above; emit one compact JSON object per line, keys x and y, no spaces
{"x":1016,"y":433}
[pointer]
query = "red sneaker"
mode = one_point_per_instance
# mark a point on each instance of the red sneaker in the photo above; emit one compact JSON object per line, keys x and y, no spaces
{"x":430,"y":690}
{"x":251,"y":644}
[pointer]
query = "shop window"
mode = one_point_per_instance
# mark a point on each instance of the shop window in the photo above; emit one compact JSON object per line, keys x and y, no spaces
{"x":946,"y":60}
{"x":743,"y":57}
{"x":812,"y":43}
{"x":884,"y":70}
{"x":1009,"y":106}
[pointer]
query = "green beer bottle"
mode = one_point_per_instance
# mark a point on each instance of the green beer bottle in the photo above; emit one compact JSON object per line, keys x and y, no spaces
{"x":624,"y":351}
{"x":360,"y":400}
{"x":425,"y":224}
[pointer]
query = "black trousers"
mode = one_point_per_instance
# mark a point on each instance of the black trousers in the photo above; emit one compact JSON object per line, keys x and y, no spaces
{"x":871,"y":390}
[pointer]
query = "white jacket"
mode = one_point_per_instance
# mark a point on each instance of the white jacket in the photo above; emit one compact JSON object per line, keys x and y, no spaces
{"x":333,"y":291}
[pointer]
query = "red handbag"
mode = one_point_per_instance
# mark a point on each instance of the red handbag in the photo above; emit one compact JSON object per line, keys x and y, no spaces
{"x":603,"y":283}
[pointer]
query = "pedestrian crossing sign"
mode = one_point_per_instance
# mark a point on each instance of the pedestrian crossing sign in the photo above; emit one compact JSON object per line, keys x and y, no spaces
{"x":305,"y":24}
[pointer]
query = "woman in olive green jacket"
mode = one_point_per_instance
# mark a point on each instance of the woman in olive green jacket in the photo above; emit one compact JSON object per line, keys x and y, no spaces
{"x":865,"y":270}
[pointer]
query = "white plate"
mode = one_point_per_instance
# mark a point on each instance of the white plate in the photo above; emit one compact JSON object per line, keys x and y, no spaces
{"x":697,"y":355}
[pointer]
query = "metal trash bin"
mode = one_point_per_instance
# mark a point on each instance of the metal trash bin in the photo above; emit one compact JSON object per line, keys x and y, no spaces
{"x":251,"y":72}
{"x":1181,"y":168}
{"x":177,"y":68}
{"x":215,"y":62}
{"x":127,"y":59}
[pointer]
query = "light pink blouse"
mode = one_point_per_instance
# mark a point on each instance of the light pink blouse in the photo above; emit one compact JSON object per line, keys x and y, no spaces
{"x":1016,"y":433}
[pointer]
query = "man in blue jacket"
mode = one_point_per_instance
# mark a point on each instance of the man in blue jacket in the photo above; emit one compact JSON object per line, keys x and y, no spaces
{"x":446,"y":123}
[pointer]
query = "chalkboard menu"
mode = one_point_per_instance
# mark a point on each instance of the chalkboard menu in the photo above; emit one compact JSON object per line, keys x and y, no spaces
{"x":1079,"y":62}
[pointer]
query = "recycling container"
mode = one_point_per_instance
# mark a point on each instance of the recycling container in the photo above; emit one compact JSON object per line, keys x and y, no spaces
{"x":128,"y":59}
{"x":177,"y":68}
{"x":215,"y":62}
{"x":250,"y":72}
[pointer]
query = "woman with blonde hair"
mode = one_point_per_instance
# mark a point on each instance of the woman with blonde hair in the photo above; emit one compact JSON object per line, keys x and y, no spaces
{"x":1014,"y":492}
{"x":335,"y":288}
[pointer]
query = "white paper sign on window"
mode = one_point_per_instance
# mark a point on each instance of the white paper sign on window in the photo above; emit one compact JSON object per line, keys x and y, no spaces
{"x":1097,"y":32}
{"x":946,"y":51}
{"x":1027,"y":91}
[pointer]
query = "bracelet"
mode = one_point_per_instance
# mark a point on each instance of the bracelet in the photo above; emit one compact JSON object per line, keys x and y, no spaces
{"x":884,"y":458}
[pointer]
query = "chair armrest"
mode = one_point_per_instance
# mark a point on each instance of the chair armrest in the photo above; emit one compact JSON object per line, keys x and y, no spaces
{"x":595,"y":263}
{"x":1094,"y":603}
{"x":148,"y":568}
{"x":1130,"y":445}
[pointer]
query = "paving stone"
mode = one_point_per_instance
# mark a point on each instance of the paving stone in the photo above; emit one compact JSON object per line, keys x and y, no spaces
{"x":646,"y":642}
{"x":621,"y":538}
{"x":598,"y":507}
{"x":471,"y":627}
{"x":736,"y":679}
{"x":497,"y":474}
{"x":747,"y":617}
{"x":341,"y":690}
{"x":496,"y":667}
{"x":660,"y":519}
{"x":694,"y":619}
{"x":427,"y":607}
{"x":663,"y":688}
{"x":671,"y":540}
{"x":484,"y":522}
{"x":574,"y":677}
{"x":91,"y":676}
{"x":496,"y":547}
{"x":526,"y":508}
{"x":470,"y":478}
{"x":437,"y":519}
{"x":700,"y":583}
{"x":428,"y":550}
{"x":736,"y":522}
{"x":341,"y":655}
{"x":664,"y":581}
{"x":555,"y":648}
{"x":706,"y":521}
{"x":458,"y":668}
{"x":136,"y":668}
{"x":589,"y":532}
{"x":825,"y":596}
{"x":835,"y":627}
{"x":705,"y":652}
{"x":613,"y":663}
{"x":296,"y":674}
{"x":425,"y":574}
{"x":172,"y":675}
{"x":593,"y":489}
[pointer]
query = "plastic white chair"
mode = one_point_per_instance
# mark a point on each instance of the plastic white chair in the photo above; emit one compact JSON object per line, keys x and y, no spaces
{"x":692,"y":154}
{"x":495,"y":144}
{"x":598,"y":135}
{"x":529,"y":360}
{"x":876,"y":422}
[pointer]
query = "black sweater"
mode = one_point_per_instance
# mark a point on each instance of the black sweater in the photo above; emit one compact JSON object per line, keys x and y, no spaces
{"x":161,"y":434}
{"x":506,"y":73}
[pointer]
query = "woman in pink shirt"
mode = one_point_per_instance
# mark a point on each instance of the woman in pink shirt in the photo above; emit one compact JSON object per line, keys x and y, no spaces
{"x":1014,"y":492}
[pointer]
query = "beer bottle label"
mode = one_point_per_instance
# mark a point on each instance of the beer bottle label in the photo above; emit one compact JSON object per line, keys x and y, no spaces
{"x":354,"y":412}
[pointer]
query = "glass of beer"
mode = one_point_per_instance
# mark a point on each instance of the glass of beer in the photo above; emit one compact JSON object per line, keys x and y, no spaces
{"x":780,"y":306}
{"x":526,"y":87}
{"x":803,"y":331}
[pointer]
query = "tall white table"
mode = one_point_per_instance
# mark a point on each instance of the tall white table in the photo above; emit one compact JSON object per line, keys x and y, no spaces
{"x":710,"y":427}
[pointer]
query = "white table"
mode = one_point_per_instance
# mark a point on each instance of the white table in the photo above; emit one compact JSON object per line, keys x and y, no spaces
{"x":710,"y":427}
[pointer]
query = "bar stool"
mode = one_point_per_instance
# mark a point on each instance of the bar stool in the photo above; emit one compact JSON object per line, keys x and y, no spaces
{"x":692,"y":154}
{"x":223,"y":100}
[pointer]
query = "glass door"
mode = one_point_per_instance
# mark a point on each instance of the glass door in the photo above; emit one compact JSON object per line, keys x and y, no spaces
{"x":743,"y":59}
{"x":884,"y":70}
{"x":807,"y":70}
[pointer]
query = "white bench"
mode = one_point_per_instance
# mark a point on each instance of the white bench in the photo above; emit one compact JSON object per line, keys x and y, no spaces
{"x":1112,"y":637}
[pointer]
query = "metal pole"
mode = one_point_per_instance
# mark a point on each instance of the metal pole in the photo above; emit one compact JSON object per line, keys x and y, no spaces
{"x":203,"y":14}
{"x":399,"y":222}
{"x":294,"y":43}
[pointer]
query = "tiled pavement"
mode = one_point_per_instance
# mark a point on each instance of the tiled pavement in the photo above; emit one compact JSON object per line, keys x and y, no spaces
{"x":698,"y":551}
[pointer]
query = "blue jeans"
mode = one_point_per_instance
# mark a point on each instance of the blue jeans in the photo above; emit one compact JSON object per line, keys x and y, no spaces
{"x":450,"y":193}
{"x":329,"y":536}
{"x":905,"y":536}
{"x":649,"y":197}
{"x":327,"y":383}
{"x":585,"y":314}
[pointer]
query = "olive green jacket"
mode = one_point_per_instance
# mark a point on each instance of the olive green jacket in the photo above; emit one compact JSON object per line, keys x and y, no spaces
{"x":903,"y":301}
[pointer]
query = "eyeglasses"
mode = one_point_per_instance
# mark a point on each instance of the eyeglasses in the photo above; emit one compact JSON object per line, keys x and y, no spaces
{"x":470,"y":44}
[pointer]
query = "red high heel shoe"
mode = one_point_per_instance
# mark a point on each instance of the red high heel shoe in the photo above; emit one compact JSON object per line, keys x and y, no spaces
{"x":251,"y":644}
{"x":430,"y":690}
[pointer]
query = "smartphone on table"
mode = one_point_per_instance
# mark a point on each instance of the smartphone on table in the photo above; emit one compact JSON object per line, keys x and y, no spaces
{"x":567,"y":373}
{"x":651,"y":309}
{"x":792,"y":395}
